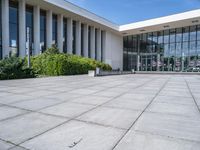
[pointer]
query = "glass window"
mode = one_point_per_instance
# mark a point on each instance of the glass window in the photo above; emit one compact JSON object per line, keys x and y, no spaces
{"x":178,"y":50}
{"x":82,"y":39}
{"x":192,"y":48}
{"x":1,"y":53}
{"x":65,"y":35}
{"x":172,"y":36}
{"x":95,"y":44}
{"x":89,"y":41}
{"x":198,"y":32}
{"x":166,"y":36}
{"x":102,"y":45}
{"x":198,"y":47}
{"x":29,"y":27}
{"x":74,"y":38}
{"x":13,"y":26}
{"x":172,"y":49}
{"x":185,"y":48}
{"x":193,"y":33}
{"x":54,"y":29}
{"x":42,"y":31}
{"x":160,"y":37}
{"x":179,"y":35}
{"x":185,"y":34}
{"x":166,"y":50}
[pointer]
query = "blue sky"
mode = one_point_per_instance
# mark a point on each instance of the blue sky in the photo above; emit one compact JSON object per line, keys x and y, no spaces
{"x":128,"y":11}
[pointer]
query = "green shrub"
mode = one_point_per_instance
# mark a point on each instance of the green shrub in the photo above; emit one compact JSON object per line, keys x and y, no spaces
{"x":13,"y":68}
{"x":55,"y":64}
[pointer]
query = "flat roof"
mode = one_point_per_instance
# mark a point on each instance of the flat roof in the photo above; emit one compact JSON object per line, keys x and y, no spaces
{"x":162,"y":23}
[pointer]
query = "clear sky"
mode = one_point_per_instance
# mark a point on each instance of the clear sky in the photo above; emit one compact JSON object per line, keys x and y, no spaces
{"x":129,"y":11}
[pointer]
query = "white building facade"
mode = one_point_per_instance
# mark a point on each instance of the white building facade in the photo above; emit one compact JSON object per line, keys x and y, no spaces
{"x":142,"y":46}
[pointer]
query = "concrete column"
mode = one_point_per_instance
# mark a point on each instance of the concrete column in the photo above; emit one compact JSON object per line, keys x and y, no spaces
{"x":5,"y":27}
{"x":22,"y":28}
{"x":78,"y":38}
{"x":158,"y":62}
{"x":36,"y":30}
{"x":69,"y":35}
{"x":138,"y":62}
{"x":85,"y":40}
{"x":49,"y":28}
{"x":60,"y":32}
{"x":92,"y":42}
{"x":99,"y":45}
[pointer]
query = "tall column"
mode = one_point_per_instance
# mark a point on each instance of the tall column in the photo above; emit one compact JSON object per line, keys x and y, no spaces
{"x":78,"y":38}
{"x":36,"y":30}
{"x":69,"y":35}
{"x":138,"y":62}
{"x":49,"y":28}
{"x":22,"y":28}
{"x":99,"y":45}
{"x":158,"y":62}
{"x":60,"y":32}
{"x":85,"y":40}
{"x":92,"y":43}
{"x":5,"y":27}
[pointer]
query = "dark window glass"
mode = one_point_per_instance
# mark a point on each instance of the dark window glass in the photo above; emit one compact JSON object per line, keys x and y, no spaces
{"x":1,"y":53}
{"x":29,"y":27}
{"x":54,"y":29}
{"x":74,"y":38}
{"x":95,"y":44}
{"x":65,"y":35}
{"x":198,"y":32}
{"x":82,"y":39}
{"x":166,"y":36}
{"x":89,"y":41}
{"x":193,"y":33}
{"x":42,"y":30}
{"x":14,"y":27}
{"x":198,"y":47}
{"x":192,"y":51}
{"x":186,"y":34}
{"x":179,"y":35}
{"x":172,"y":35}
{"x":102,"y":46}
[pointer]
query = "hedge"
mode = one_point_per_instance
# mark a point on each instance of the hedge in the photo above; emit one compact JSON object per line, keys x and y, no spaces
{"x":14,"y":68}
{"x":64,"y":64}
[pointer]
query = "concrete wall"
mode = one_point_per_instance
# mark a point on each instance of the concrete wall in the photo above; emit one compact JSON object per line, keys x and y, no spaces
{"x":113,"y":50}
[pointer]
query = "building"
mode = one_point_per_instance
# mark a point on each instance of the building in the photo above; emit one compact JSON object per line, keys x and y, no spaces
{"x":169,"y":43}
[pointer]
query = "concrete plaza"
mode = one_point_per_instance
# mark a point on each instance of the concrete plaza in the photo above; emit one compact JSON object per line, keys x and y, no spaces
{"x":129,"y":112}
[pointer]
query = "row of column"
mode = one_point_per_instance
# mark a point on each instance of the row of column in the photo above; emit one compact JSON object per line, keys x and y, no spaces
{"x":22,"y":33}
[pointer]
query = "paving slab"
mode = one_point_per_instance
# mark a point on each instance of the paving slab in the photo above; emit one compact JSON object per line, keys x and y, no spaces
{"x":36,"y":104}
{"x":119,"y":118}
{"x":5,"y":145}
{"x":174,"y":109}
{"x":174,"y":126}
{"x":142,"y":141}
{"x":27,"y":126}
{"x":8,"y":112}
{"x":68,"y":109}
{"x":76,"y":135}
{"x":92,"y":100}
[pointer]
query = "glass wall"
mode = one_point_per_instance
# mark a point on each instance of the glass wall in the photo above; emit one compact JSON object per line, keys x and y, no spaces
{"x":42,"y":31}
{"x":29,"y":27}
{"x":65,"y":35}
{"x":168,"y":50}
{"x":96,"y":44}
{"x":89,"y":42}
{"x":54,"y":29}
{"x":13,"y":28}
{"x":1,"y":53}
{"x":74,"y":38}
{"x":82,"y":39}
{"x":102,"y":42}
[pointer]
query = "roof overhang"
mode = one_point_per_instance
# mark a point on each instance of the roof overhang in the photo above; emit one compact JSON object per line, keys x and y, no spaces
{"x":169,"y":22}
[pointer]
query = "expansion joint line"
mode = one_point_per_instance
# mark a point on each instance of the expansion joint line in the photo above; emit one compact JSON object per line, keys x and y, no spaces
{"x":141,"y":114}
{"x":193,"y":97}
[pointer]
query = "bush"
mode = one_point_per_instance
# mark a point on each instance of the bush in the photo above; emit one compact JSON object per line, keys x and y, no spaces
{"x":13,"y":68}
{"x":55,"y":64}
